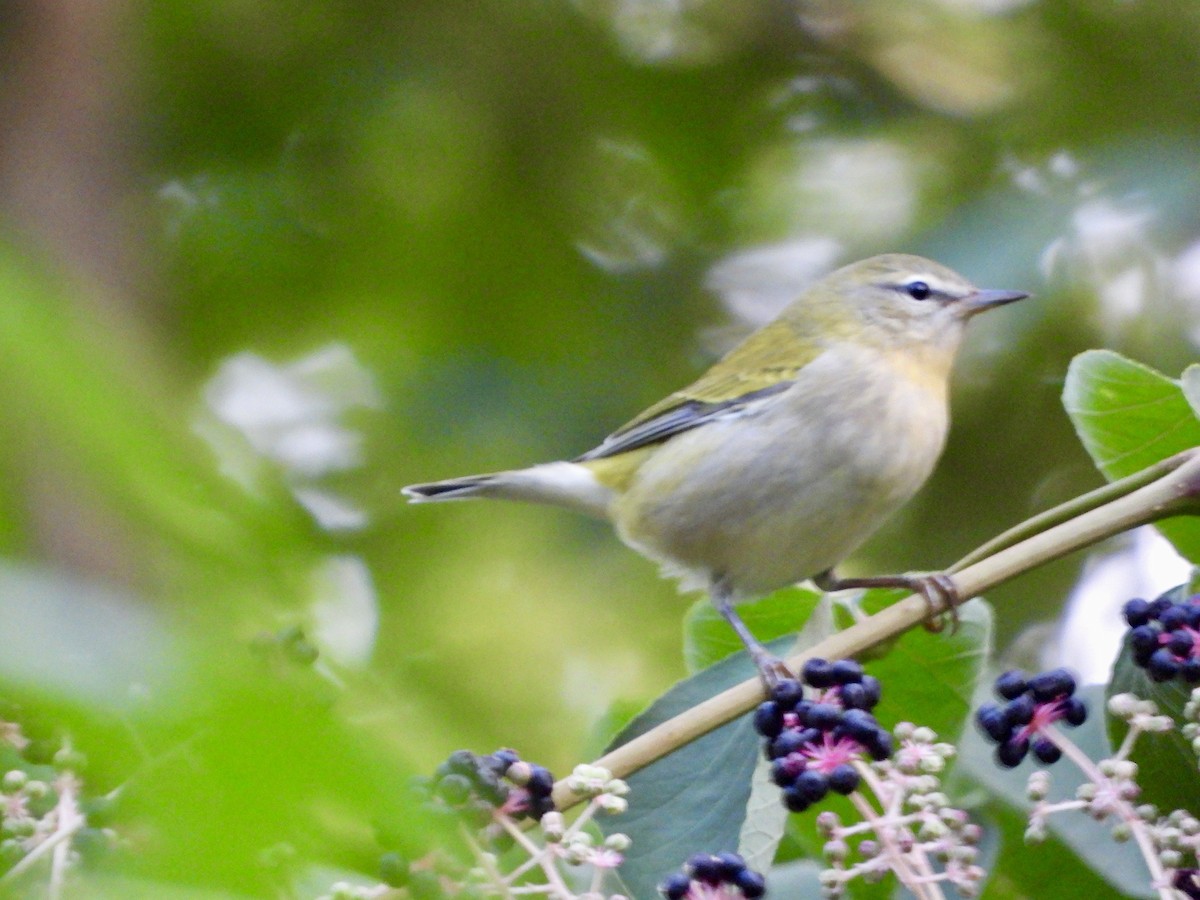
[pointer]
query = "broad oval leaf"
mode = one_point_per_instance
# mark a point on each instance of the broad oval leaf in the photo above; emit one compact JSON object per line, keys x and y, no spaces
{"x":1128,"y":417}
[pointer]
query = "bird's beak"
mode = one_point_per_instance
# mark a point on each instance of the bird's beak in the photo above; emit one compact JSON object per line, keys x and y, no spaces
{"x":981,"y":301}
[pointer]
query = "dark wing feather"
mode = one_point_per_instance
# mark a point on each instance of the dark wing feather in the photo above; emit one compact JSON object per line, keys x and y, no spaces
{"x":676,"y":414}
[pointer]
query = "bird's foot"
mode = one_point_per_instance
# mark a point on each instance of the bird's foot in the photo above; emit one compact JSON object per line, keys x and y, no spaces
{"x":937,"y":589}
{"x":771,"y":669}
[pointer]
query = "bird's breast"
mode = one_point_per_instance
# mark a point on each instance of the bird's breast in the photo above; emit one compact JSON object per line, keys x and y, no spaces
{"x":793,"y":484}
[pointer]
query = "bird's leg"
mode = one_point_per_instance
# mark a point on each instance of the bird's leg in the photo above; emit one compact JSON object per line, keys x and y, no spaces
{"x":771,"y":669}
{"x":938,"y":591}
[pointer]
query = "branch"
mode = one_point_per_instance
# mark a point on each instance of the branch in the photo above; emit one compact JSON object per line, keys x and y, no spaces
{"x":1166,"y":489}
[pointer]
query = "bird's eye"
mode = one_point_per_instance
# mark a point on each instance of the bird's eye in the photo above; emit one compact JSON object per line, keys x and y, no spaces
{"x":918,"y":290}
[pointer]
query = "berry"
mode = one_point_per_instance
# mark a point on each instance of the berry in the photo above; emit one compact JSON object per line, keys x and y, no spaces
{"x":676,"y":886}
{"x":705,"y":868}
{"x":1173,"y":617}
{"x":1137,"y":612}
{"x":783,"y":773}
{"x":1190,"y":670}
{"x":1046,"y":751}
{"x":823,"y":716}
{"x":454,"y":789}
{"x":1144,"y":637}
{"x":1162,"y":665}
{"x":1051,"y":685}
{"x":1178,"y":642}
{"x":787,"y":692}
{"x":1010,"y":685}
{"x":818,"y":673}
{"x":795,"y":800}
{"x":879,"y":745}
{"x":854,"y":696}
{"x":1020,"y":711}
{"x":874,"y":690}
{"x":843,"y":779}
{"x":993,"y":722}
{"x":505,"y":758}
{"x":1011,"y":752}
{"x":787,"y":743}
{"x":541,"y":782}
{"x":768,"y":719}
{"x":812,"y":785}
{"x":1074,"y":711}
{"x":751,"y":884}
{"x":845,"y":671}
{"x":731,"y":865}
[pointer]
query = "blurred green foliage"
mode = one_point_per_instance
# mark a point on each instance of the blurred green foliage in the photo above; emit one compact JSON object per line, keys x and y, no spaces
{"x":507,"y":212}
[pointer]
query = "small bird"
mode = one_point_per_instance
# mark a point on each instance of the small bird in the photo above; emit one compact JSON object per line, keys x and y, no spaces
{"x":785,"y":456}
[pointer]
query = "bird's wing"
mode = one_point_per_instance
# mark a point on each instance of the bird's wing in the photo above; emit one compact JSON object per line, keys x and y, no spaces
{"x":727,"y":387}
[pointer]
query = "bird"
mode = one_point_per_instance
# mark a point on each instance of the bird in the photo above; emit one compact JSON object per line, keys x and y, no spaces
{"x":777,"y":463}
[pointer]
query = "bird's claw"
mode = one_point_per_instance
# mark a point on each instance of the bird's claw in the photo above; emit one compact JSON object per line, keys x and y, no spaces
{"x":941,"y":596}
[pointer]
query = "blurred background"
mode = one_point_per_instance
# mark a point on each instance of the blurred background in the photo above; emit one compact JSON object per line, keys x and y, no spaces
{"x":262,"y":264}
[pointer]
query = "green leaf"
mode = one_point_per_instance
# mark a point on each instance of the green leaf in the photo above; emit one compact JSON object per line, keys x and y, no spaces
{"x":1022,"y":870}
{"x":1190,"y":381}
{"x":693,"y":800}
{"x":1119,"y":864}
{"x":1166,"y":762}
{"x":707,"y":637}
{"x":766,"y":818}
{"x":1128,"y":417}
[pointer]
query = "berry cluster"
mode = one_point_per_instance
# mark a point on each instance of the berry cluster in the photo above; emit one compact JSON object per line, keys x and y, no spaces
{"x":813,"y":743}
{"x":1165,"y":637}
{"x":704,"y":876}
{"x":1032,"y":704}
{"x":499,"y":782}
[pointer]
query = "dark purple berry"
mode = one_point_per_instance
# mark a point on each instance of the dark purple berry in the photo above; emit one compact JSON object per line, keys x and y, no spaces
{"x":460,"y":762}
{"x":1159,"y":604}
{"x":812,"y":784}
{"x":787,"y":692}
{"x":1011,"y":752}
{"x":751,"y":884}
{"x":504,"y":758}
{"x":1179,"y":642}
{"x":1173,"y":617}
{"x":1046,"y":751}
{"x":1019,"y":711}
{"x":843,"y":779}
{"x":817,"y":673}
{"x":705,"y":868}
{"x":874,"y":690}
{"x":1051,"y":685}
{"x":1137,"y":612}
{"x":731,"y":865}
{"x":768,"y":719}
{"x":879,"y":745}
{"x":823,"y":715}
{"x":993,"y":722}
{"x":541,"y":782}
{"x":1010,"y":685}
{"x":1193,"y":616}
{"x":1074,"y":711}
{"x":845,"y":671}
{"x":858,"y":724}
{"x":1162,"y":665}
{"x":788,"y":742}
{"x":1144,"y":637}
{"x":854,"y":696}
{"x":783,"y":773}
{"x":795,"y":800}
{"x":1190,"y":670}
{"x":675,"y":887}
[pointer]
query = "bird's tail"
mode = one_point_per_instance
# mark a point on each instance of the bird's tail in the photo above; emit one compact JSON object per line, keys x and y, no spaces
{"x":558,"y":484}
{"x":452,"y":489}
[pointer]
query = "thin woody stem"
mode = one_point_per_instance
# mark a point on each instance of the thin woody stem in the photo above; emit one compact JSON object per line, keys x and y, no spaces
{"x":1172,"y":489}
